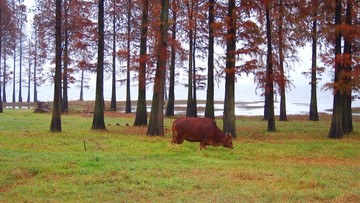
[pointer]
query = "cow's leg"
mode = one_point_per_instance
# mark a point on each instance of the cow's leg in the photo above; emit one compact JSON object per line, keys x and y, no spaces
{"x":175,"y":136}
{"x":203,"y":144}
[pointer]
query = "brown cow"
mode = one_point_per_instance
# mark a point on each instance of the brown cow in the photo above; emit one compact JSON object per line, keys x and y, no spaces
{"x":203,"y":130}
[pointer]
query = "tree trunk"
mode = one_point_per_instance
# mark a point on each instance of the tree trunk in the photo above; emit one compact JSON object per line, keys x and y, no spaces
{"x":141,"y":112}
{"x":29,"y":73}
{"x":64,"y":99}
{"x":282,"y":81}
{"x":4,"y":77}
{"x":348,"y":126}
{"x":14,"y":79}
{"x":128,"y":93}
{"x":1,"y":37}
{"x":269,"y":87}
{"x":56,"y":114}
{"x":82,"y":85}
{"x":194,"y":99}
{"x":20,"y":63}
{"x":313,"y":113}
{"x":190,"y":111}
{"x":35,"y":65}
{"x":209,"y":108}
{"x":156,"y":122}
{"x":1,"y":101}
{"x":113,"y":82}
{"x":98,"y":119}
{"x":171,"y":101}
{"x":336,"y":127}
{"x":229,"y":105}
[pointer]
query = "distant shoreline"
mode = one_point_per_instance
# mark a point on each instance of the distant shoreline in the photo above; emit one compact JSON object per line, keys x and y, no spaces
{"x":180,"y":106}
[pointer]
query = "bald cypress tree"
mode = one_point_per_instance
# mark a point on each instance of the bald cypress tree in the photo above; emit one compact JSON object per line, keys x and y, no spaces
{"x":156,"y":122}
{"x":56,"y":114}
{"x":98,"y":119}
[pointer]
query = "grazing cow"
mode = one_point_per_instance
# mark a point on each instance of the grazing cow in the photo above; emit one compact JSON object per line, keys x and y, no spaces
{"x":203,"y":130}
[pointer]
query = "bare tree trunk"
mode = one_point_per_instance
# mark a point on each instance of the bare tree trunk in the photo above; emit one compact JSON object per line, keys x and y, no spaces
{"x":14,"y":78}
{"x":141,"y":112}
{"x":190,"y":111}
{"x":56,"y":114}
{"x":282,"y":81}
{"x":209,"y":108}
{"x":4,"y":76}
{"x":113,"y":83}
{"x":64,"y":99}
{"x":229,"y":104}
{"x":35,"y":65}
{"x":82,"y":85}
{"x":269,"y":87}
{"x":128,"y":93}
{"x":156,"y":122}
{"x":313,"y":113}
{"x":336,"y":127}
{"x":171,"y":101}
{"x":98,"y":119}
{"x":29,"y":73}
{"x":348,"y":125}
{"x":20,"y":63}
{"x":1,"y":101}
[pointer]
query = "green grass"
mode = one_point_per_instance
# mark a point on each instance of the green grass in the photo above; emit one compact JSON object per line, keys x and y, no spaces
{"x":296,"y":164}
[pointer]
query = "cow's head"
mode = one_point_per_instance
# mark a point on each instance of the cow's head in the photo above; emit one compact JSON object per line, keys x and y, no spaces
{"x":228,"y":141}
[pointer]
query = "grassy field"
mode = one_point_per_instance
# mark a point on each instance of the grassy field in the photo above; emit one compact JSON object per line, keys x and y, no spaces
{"x":296,"y":164}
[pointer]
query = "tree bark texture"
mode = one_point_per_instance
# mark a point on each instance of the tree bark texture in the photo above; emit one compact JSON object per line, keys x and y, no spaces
{"x":141,"y":112}
{"x":64,"y":99}
{"x":113,"y":106}
{"x":128,"y":93}
{"x":171,"y":102}
{"x":229,"y":103}
{"x":98,"y":119}
{"x":313,"y":113}
{"x":56,"y":114}
{"x":156,"y":122}
{"x":269,"y":87}
{"x":209,"y":108}
{"x":282,"y":81}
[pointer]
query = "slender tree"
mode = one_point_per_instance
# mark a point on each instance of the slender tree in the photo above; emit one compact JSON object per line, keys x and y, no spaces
{"x":209,"y":108}
{"x":282,"y":80}
{"x":313,"y":112}
{"x":98,"y":119}
{"x":141,"y":112}
{"x":171,"y":100}
{"x":30,"y":52}
{"x":347,"y":63}
{"x":337,"y":128}
{"x":269,"y":86}
{"x":156,"y":122}
{"x":56,"y":114}
{"x":128,"y":62}
{"x":113,"y":106}
{"x":190,"y":107}
{"x":229,"y":102}
{"x":1,"y":37}
{"x":64,"y":99}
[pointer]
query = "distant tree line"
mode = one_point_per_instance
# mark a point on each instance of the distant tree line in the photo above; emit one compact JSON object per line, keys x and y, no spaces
{"x":150,"y":42}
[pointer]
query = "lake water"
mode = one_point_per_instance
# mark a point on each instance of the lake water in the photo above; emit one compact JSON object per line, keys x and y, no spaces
{"x":248,"y":100}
